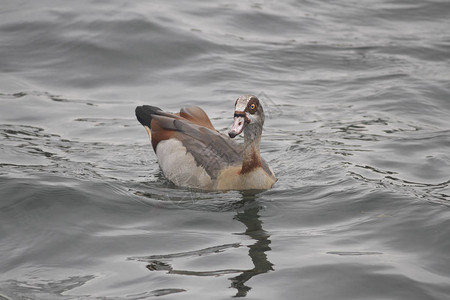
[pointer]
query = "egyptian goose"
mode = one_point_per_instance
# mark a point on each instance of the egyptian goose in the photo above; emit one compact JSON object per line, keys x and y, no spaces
{"x":192,"y":153}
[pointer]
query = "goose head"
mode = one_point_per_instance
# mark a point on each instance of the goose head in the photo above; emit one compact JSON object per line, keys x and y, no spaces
{"x":248,"y":117}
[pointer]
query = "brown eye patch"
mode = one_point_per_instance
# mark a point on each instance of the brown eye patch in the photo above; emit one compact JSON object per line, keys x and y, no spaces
{"x":252,"y":105}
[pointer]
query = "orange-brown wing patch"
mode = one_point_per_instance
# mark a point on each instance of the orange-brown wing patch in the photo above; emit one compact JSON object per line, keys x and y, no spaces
{"x":159,"y":131}
{"x":163,"y":128}
{"x":197,"y":116}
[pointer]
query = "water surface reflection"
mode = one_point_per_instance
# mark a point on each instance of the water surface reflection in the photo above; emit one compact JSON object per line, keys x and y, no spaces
{"x":257,"y":251}
{"x":248,"y":213}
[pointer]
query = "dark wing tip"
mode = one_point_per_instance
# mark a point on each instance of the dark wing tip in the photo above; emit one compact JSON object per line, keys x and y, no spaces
{"x":144,"y":114}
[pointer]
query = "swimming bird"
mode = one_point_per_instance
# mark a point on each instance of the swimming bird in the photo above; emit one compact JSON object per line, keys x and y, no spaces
{"x":192,"y":153}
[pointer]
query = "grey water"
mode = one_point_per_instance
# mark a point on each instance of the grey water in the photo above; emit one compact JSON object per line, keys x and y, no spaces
{"x":357,"y":98}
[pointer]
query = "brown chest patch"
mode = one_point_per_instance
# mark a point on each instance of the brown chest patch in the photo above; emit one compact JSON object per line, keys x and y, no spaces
{"x":251,"y":163}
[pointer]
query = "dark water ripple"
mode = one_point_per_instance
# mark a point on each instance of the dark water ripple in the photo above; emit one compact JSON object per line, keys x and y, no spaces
{"x":357,"y":102}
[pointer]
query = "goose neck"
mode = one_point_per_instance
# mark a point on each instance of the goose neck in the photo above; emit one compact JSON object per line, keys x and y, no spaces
{"x":251,"y":157}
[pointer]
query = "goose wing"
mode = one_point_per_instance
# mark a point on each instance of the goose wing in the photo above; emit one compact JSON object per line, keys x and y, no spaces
{"x":211,"y":150}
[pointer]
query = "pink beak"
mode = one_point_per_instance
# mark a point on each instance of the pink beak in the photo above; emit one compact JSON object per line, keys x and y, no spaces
{"x":237,"y":127}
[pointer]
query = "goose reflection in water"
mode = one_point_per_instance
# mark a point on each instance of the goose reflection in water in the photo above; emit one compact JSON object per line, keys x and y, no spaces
{"x":257,"y":251}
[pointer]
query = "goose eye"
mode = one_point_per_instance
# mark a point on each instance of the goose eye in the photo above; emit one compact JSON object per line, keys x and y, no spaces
{"x":252,"y":108}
